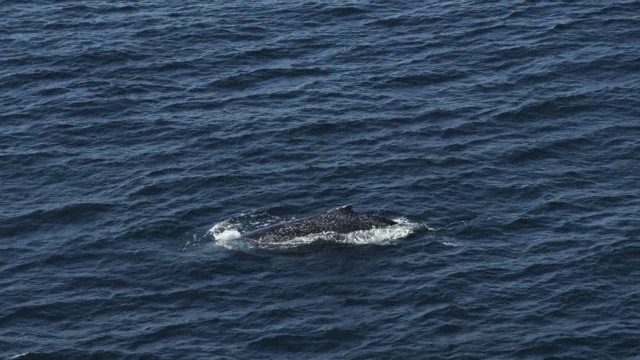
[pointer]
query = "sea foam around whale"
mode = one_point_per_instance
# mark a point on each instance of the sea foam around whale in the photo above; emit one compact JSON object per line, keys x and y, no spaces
{"x":228,"y":234}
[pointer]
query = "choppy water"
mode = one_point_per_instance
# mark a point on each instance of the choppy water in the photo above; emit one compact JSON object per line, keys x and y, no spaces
{"x":129,"y":130}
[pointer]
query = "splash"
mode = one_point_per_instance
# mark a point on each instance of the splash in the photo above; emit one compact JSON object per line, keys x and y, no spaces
{"x":228,"y":233}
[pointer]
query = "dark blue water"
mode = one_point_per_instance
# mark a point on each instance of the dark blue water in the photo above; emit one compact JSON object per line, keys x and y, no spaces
{"x":131,"y":131}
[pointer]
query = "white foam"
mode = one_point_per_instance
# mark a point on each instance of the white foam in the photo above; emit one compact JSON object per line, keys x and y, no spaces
{"x":227,"y":235}
{"x":18,"y":356}
{"x":382,"y":236}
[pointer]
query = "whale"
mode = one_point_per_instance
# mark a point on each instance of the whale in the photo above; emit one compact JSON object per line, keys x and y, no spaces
{"x":342,"y":220}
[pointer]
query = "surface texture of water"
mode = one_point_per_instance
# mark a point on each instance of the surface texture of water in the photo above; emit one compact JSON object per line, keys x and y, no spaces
{"x":129,"y":129}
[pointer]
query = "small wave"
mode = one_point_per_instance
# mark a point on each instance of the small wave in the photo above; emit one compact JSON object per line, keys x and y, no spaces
{"x":62,"y":215}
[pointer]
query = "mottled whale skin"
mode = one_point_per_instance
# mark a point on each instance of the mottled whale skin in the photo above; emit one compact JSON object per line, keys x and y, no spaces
{"x":341,"y":220}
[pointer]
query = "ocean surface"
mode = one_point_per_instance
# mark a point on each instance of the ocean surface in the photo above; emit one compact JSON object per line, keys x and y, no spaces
{"x":140,"y":140}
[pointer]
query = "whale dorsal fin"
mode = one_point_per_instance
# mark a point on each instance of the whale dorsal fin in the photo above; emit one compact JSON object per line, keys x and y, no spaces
{"x":342,"y":209}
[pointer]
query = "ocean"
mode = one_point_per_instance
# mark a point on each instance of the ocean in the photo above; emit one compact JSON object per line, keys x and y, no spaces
{"x":140,"y":140}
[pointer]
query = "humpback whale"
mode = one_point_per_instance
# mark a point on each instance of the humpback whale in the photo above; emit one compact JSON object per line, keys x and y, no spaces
{"x":340,"y":220}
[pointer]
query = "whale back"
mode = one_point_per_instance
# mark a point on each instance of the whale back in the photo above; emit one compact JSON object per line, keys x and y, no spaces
{"x":340,"y":220}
